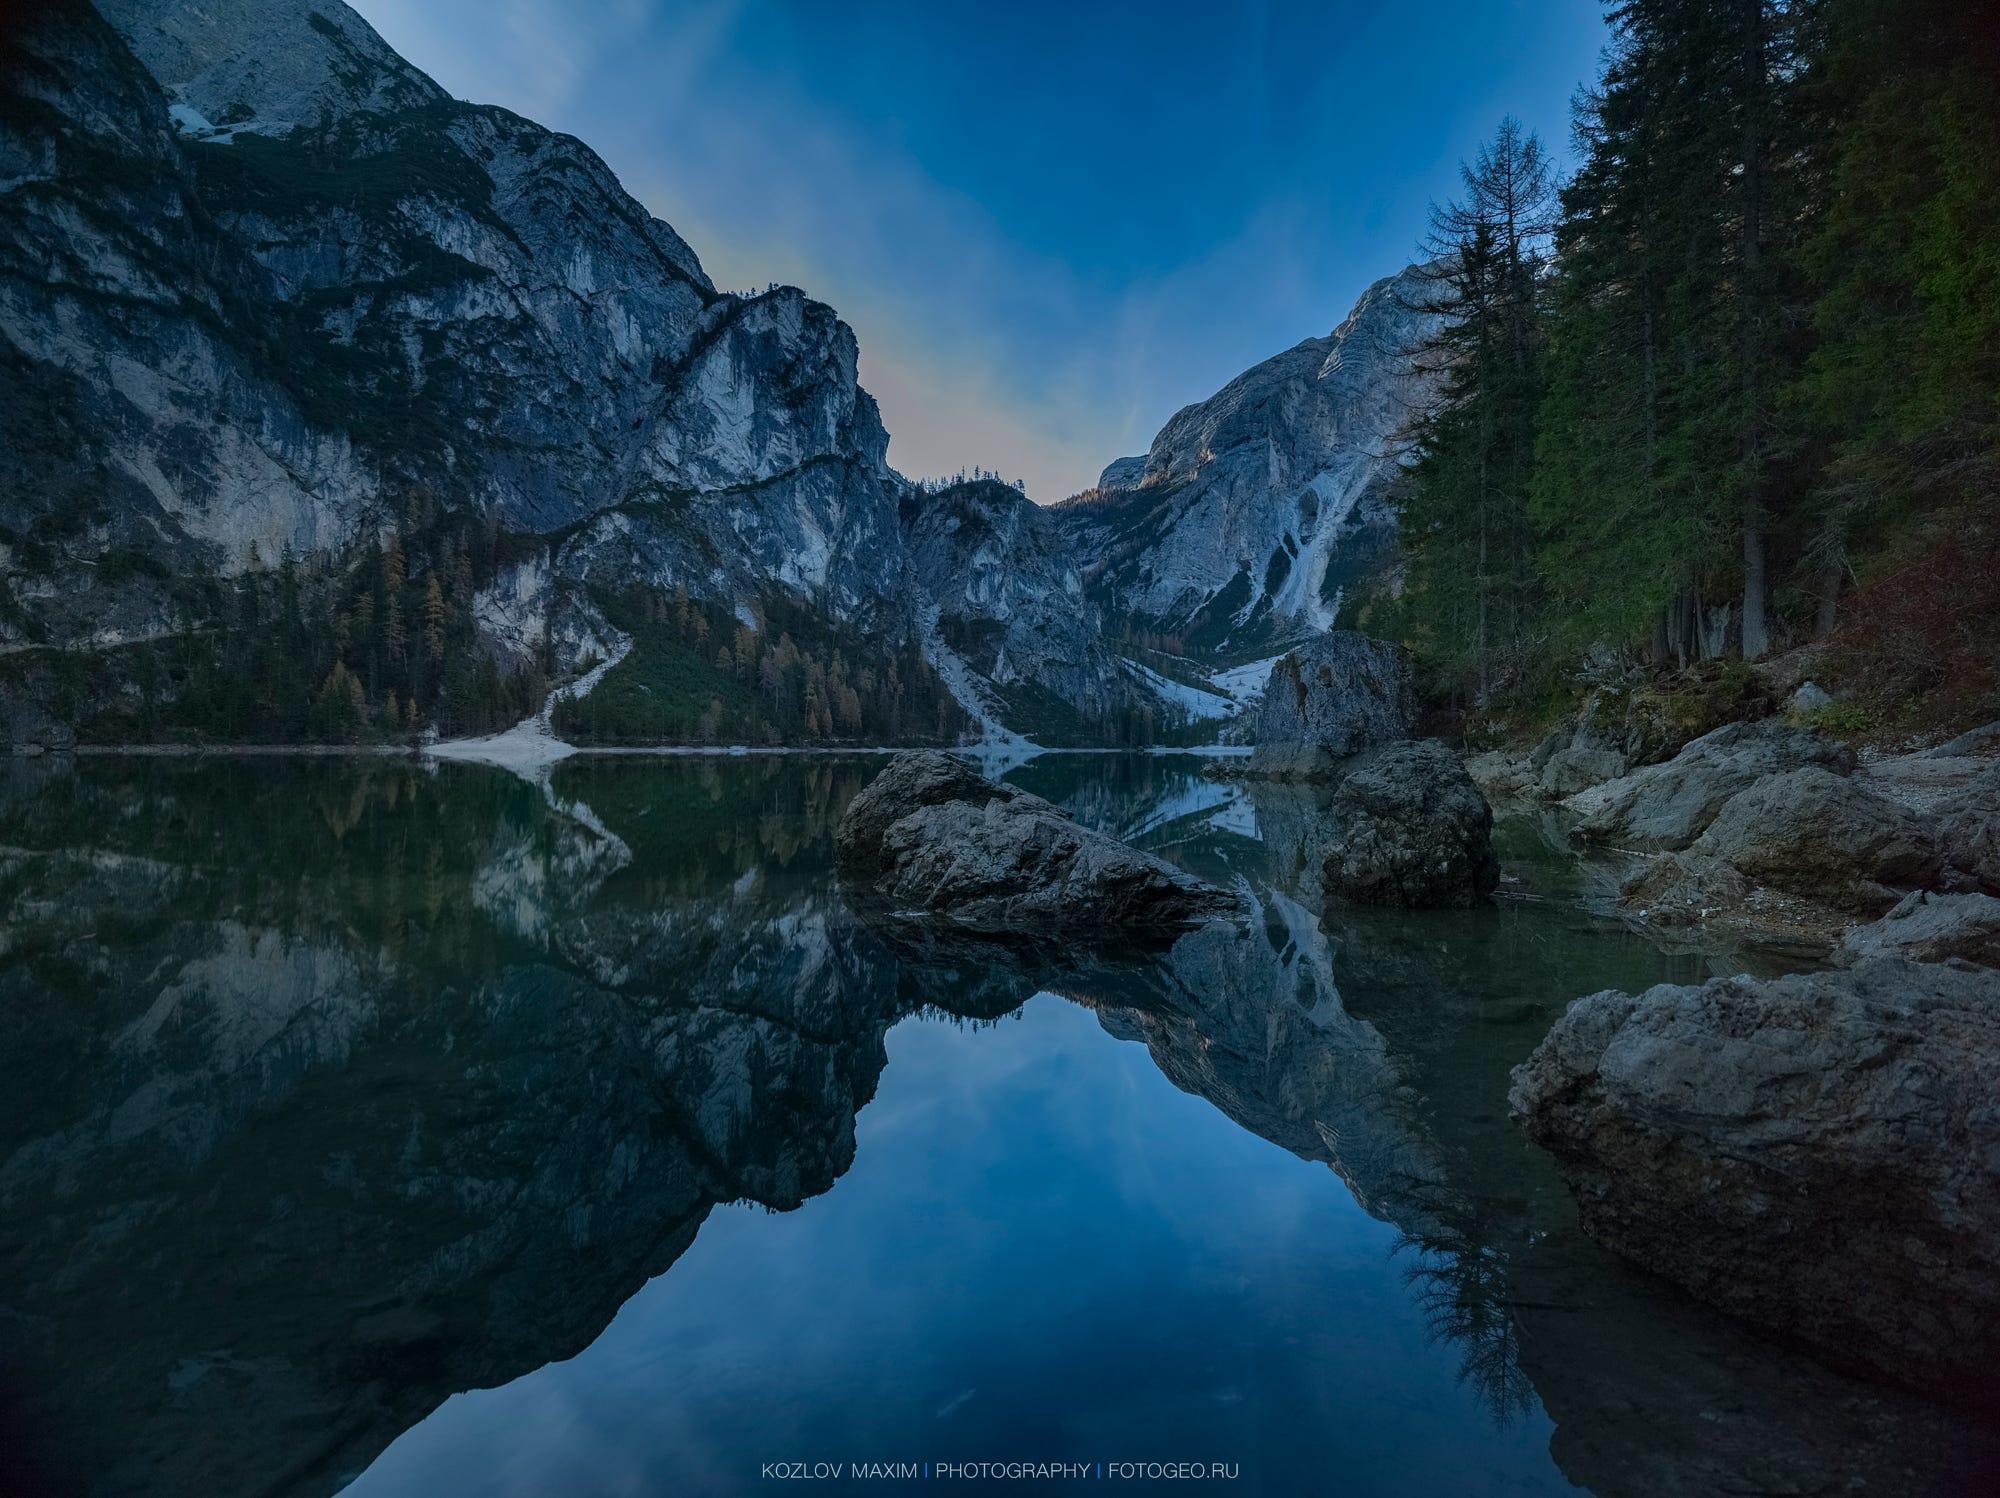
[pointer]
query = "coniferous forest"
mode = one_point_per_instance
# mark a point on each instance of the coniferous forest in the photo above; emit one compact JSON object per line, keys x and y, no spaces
{"x":1731,"y":386}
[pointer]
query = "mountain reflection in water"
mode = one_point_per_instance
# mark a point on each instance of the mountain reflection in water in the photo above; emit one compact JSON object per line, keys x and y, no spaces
{"x":333,"y":1088}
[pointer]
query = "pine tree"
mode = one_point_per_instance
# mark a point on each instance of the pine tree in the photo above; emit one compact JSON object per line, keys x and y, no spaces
{"x":434,"y":621}
{"x":1464,"y":508}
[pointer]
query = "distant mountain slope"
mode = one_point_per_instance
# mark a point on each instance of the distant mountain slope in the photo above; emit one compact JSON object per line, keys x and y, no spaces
{"x":339,"y":408}
{"x":320,"y":284}
{"x":1004,"y":594}
{"x":1238,"y":529}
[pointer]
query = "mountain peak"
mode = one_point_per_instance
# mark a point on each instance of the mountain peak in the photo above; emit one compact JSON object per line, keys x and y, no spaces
{"x":267,"y":67}
{"x":1250,"y":511}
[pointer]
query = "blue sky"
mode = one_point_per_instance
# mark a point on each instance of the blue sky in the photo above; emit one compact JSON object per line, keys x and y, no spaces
{"x":1050,"y":225}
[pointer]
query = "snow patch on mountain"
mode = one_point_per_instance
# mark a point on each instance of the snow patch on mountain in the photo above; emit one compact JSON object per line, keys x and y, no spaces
{"x":1244,"y":685}
{"x":1196,"y":702}
{"x":531,"y":746}
{"x":1231,"y":530}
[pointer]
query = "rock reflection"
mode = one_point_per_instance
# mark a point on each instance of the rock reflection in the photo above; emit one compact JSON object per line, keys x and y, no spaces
{"x":1379,"y":1042}
{"x":330,"y":1089}
{"x":335,"y":1089}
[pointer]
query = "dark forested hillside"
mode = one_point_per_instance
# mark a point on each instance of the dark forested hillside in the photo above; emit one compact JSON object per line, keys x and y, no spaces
{"x":1735,"y":385}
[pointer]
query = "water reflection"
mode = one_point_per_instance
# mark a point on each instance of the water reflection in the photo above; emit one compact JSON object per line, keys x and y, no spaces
{"x":332,"y":1088}
{"x":1380,"y":1043}
{"x":335,"y":1088}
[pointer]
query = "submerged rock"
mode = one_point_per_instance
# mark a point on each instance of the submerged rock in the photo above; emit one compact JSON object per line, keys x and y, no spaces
{"x":1816,"y":833}
{"x":1926,"y":927}
{"x":1409,"y":827}
{"x":1334,"y":696}
{"x":931,"y":834}
{"x":1819,"y":1153}
{"x":1670,"y":805}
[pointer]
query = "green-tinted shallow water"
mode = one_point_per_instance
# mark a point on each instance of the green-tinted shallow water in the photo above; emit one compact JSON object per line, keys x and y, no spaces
{"x":429,"y":1130}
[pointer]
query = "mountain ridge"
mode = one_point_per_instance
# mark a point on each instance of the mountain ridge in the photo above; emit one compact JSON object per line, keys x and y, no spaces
{"x":1227,"y":531}
{"x":298,"y":323}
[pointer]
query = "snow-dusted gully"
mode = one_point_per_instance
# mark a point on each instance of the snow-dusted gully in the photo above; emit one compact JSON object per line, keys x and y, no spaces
{"x":531,"y":745}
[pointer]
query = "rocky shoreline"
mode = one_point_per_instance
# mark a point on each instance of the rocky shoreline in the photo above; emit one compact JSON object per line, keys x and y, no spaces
{"x":1766,"y":832}
{"x":1817,"y":1154}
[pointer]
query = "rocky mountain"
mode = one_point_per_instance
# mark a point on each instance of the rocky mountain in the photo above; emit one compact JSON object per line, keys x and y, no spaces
{"x":272,"y":281}
{"x":270,"y":295}
{"x":1011,"y":624}
{"x":1256,"y":507}
{"x":291,"y":332}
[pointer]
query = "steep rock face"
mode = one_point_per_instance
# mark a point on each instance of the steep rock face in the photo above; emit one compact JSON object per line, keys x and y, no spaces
{"x":1819,"y":1153}
{"x":1333,"y":696}
{"x":1254,"y":504}
{"x":148,"y":415}
{"x":1007,"y":598}
{"x":270,"y":283}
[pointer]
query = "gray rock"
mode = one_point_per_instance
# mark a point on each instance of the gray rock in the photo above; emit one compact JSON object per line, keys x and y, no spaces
{"x":1330,"y":698}
{"x":1585,"y":751}
{"x":1972,"y":741}
{"x":1498,"y":773}
{"x":1407,"y":826}
{"x":1670,"y":805}
{"x":1820,"y":834}
{"x":933,"y":835}
{"x":1123,"y":473}
{"x":1969,"y":833}
{"x":1809,"y":697}
{"x":1927,"y":927}
{"x":1578,"y":769}
{"x":1819,"y":1154}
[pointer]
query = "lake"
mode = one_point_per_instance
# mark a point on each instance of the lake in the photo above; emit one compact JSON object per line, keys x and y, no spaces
{"x":413,"y":1128}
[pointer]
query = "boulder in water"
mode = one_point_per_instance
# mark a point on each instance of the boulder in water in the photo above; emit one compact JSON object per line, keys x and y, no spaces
{"x":1818,"y":1153}
{"x":1407,"y":826}
{"x":1332,"y":697}
{"x":932,"y":835}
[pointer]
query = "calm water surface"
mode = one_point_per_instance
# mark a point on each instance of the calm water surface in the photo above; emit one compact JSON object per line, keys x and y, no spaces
{"x":415,"y":1130}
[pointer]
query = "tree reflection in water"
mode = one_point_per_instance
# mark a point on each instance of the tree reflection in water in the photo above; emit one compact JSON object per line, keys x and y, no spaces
{"x":337,"y":1086}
